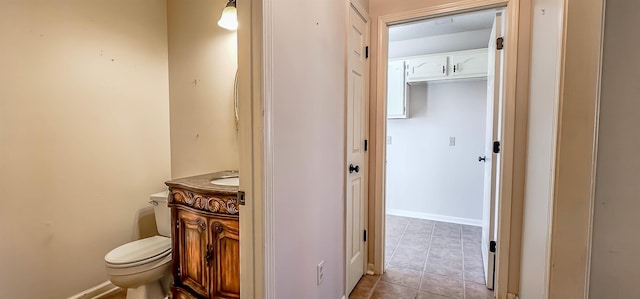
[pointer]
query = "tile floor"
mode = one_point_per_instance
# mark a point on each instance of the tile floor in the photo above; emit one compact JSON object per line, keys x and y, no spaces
{"x":428,"y":260}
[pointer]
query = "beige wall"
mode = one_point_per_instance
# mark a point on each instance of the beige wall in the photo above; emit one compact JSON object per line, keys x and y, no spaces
{"x":615,"y":263}
{"x":202,"y":68}
{"x":84,"y":136}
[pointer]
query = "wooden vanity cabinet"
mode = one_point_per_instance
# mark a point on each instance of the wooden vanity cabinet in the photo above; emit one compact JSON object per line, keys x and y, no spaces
{"x":225,"y":260}
{"x":191,"y":245}
{"x":205,"y":244}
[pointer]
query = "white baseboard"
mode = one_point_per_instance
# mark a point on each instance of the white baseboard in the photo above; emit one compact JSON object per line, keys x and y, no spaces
{"x":443,"y":218}
{"x":512,"y":296}
{"x":100,"y":291}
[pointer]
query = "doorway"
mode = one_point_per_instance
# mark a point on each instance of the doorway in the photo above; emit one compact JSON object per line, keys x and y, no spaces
{"x":504,"y":113}
{"x":440,"y":167}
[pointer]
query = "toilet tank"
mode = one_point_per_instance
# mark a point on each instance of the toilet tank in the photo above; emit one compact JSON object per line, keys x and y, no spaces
{"x":162,"y":212}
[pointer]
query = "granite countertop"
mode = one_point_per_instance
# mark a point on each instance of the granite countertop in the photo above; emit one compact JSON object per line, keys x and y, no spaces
{"x":202,"y":183}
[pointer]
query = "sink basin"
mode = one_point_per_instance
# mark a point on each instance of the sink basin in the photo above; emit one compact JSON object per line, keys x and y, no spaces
{"x":232,"y":181}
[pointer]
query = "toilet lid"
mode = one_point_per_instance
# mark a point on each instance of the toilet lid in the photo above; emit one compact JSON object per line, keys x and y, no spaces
{"x":139,"y":250}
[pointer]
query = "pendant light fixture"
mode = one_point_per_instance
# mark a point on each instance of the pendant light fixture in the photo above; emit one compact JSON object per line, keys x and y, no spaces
{"x":229,"y":18}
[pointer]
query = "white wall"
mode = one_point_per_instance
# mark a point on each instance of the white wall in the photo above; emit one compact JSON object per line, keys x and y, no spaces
{"x":202,"y":69}
{"x":84,"y":136}
{"x":467,"y":40}
{"x":615,"y":263}
{"x":424,"y":174}
{"x":543,"y":103}
{"x":308,"y":146}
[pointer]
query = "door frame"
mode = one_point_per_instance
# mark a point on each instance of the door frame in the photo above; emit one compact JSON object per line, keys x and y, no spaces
{"x":515,"y":109}
{"x":256,"y":244}
{"x":360,"y":9}
{"x":571,"y":226}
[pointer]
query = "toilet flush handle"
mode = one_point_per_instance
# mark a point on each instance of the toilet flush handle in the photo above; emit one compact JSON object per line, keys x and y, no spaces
{"x":153,"y":202}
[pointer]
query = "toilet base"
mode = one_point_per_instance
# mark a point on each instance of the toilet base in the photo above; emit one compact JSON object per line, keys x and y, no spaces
{"x":151,"y":290}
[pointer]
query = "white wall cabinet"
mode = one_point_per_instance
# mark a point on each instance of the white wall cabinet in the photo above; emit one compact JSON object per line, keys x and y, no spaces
{"x":396,"y":90}
{"x":469,"y":64}
{"x":452,"y":65}
{"x":443,"y":66}
{"x":425,"y":68}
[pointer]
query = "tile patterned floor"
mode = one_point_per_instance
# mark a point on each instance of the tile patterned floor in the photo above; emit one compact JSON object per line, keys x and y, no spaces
{"x":427,"y":260}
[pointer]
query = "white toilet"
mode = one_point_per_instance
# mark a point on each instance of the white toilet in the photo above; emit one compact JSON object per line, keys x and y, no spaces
{"x":141,"y":266}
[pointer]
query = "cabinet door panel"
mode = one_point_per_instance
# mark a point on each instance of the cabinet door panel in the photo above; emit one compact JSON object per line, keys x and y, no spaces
{"x":225,"y":280}
{"x":427,"y":68}
{"x":192,"y":248}
{"x":396,"y":90}
{"x":469,"y":64}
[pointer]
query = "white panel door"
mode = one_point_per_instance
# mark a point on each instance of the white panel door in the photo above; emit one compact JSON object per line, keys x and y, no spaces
{"x":355,"y":167}
{"x":396,"y":90}
{"x":491,"y":167}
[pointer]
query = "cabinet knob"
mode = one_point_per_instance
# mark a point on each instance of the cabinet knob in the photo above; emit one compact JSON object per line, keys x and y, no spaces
{"x":482,"y":159}
{"x":217,"y":227}
{"x":354,"y":168}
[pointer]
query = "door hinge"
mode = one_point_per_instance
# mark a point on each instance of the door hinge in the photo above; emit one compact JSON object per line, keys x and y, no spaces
{"x":496,"y":147}
{"x":492,"y":246}
{"x":366,"y":145}
{"x":365,"y":235}
{"x":366,"y":52}
{"x":499,"y":43}
{"x":241,"y":198}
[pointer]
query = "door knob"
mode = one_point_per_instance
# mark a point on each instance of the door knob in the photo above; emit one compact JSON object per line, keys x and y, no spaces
{"x":354,"y":168}
{"x":482,"y":159}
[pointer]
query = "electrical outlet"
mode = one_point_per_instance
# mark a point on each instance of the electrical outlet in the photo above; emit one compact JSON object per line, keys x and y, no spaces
{"x":388,"y":139}
{"x":320,"y":274}
{"x":452,"y":141}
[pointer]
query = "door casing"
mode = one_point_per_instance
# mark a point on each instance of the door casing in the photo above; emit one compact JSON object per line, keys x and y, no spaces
{"x":256,"y":262}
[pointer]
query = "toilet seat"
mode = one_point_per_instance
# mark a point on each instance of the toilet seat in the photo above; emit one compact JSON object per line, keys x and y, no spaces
{"x":139,"y":252}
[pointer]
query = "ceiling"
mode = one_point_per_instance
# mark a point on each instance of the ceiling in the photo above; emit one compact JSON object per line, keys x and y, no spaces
{"x":442,"y":25}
